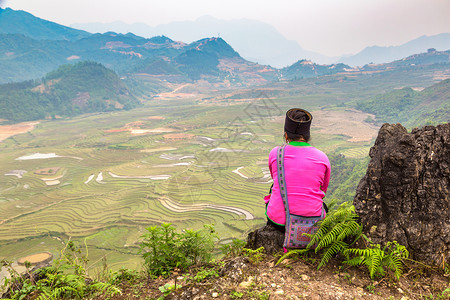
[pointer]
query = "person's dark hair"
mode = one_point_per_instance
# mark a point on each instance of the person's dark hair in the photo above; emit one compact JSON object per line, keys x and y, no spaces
{"x":298,"y":115}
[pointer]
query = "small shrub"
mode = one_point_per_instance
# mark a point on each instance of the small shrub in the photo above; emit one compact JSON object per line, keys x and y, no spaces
{"x":164,"y":249}
{"x":124,"y":275}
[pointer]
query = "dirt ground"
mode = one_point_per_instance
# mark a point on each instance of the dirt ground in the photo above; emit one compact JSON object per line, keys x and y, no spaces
{"x":9,"y":130}
{"x":238,"y":278}
{"x":35,"y":258}
{"x":347,"y":122}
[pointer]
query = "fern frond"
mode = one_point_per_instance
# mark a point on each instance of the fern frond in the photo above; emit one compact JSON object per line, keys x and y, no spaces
{"x":62,"y":292}
{"x":358,"y":252}
{"x":291,"y":253}
{"x":330,"y":237}
{"x":356,"y":261}
{"x":351,"y":228}
{"x":106,"y":288}
{"x":376,"y":257}
{"x":43,"y":297}
{"x":337,"y":247}
{"x":396,"y":265}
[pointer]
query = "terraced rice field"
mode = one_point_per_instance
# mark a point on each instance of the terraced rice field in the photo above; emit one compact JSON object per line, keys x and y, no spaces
{"x":108,"y":184}
{"x":356,"y":152}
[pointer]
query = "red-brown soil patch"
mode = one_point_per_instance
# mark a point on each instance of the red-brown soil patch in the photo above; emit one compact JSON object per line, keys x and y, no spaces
{"x":134,"y":124}
{"x":47,"y":171}
{"x":9,"y":130}
{"x":156,"y":118}
{"x":45,"y":87}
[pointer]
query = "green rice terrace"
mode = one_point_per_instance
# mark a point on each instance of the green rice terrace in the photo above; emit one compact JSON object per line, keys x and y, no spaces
{"x":102,"y":178}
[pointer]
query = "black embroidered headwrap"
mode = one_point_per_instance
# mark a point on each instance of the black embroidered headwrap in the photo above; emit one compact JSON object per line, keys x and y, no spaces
{"x":296,"y":126}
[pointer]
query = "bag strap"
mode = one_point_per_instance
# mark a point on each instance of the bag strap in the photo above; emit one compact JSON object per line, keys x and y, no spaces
{"x":282,"y":180}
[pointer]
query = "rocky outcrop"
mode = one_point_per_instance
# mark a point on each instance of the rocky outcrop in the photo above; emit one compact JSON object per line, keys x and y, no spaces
{"x":404,"y":195}
{"x":267,"y":237}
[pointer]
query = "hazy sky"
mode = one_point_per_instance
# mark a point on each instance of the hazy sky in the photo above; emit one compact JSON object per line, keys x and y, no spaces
{"x":331,"y":27}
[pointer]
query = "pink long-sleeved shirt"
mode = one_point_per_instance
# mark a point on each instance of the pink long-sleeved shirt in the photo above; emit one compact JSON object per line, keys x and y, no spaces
{"x":307,"y":173}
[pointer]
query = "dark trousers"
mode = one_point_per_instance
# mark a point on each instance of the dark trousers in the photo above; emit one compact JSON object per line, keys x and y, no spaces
{"x":280,"y":228}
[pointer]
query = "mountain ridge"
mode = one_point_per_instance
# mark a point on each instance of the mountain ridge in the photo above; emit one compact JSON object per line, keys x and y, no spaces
{"x":380,"y":54}
{"x":19,"y":21}
{"x":254,"y":40}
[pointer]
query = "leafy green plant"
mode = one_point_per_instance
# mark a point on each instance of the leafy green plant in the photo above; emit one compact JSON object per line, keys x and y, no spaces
{"x":164,"y":249}
{"x":264,"y":295}
{"x":370,"y":288}
{"x":338,"y":231}
{"x":234,"y":248}
{"x":169,"y":288}
{"x":378,"y":259}
{"x":124,"y":275}
{"x":255,"y":256}
{"x":204,"y":274}
{"x":236,"y":295}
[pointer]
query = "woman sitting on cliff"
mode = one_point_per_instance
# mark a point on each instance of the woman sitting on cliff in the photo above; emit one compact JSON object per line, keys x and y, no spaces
{"x":307,"y":172}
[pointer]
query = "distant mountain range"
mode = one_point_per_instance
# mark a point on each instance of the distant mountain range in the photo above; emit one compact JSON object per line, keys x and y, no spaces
{"x":29,"y":52}
{"x":432,"y":56}
{"x":211,"y":59}
{"x":379,"y":55}
{"x":254,"y":40}
{"x":260,"y":42}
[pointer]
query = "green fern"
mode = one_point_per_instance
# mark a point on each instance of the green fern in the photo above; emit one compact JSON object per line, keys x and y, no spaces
{"x":335,"y":234}
{"x":377,"y":260}
{"x":105,"y":289}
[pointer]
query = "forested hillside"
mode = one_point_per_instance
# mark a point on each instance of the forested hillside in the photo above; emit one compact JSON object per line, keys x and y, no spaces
{"x":70,"y":90}
{"x":412,"y":108}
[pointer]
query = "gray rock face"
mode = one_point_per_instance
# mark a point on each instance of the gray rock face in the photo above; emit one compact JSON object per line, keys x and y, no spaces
{"x":267,"y":237}
{"x":405,"y":192}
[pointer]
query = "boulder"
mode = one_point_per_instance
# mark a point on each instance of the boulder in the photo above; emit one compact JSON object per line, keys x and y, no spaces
{"x":404,"y":195}
{"x":268,"y":237}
